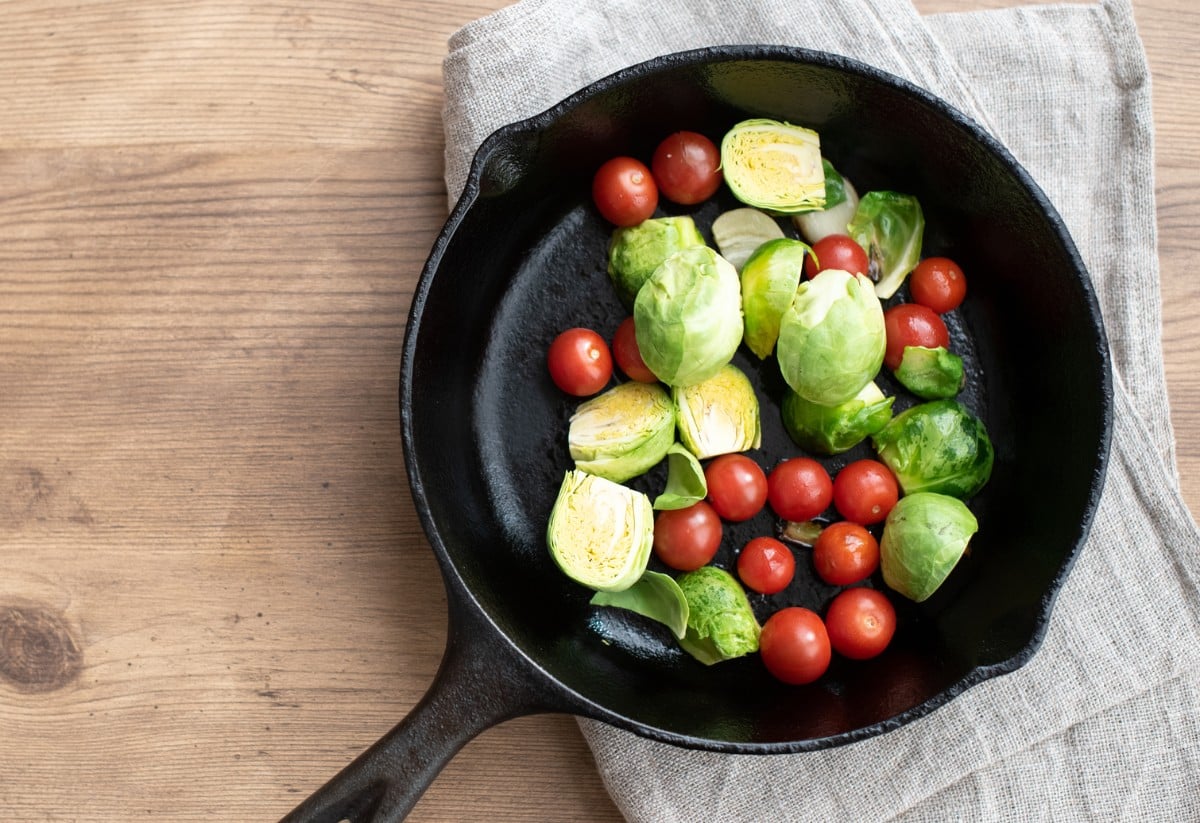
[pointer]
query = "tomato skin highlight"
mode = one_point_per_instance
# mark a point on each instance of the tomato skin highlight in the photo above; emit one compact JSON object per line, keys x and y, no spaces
{"x":579,"y":361}
{"x":865,"y":491}
{"x":799,"y":489}
{"x":939,"y":283}
{"x":911,"y":324}
{"x":624,"y":191}
{"x":737,"y":487}
{"x":766,"y":565}
{"x":686,"y":539}
{"x":794,"y":645}
{"x":837,"y":251}
{"x":845,"y":553}
{"x":687,"y":168}
{"x":860,"y":622}
{"x":628,"y":356}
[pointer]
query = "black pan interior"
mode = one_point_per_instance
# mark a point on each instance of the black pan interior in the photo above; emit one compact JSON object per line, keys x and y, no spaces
{"x":486,"y":434}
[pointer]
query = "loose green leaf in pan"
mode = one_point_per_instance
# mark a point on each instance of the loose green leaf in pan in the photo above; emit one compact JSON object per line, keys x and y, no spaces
{"x":891,"y":227}
{"x":656,"y":596}
{"x":685,"y":480}
{"x":931,"y":374}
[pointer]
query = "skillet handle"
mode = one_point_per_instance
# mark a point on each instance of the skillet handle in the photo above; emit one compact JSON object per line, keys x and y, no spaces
{"x":481,"y":682}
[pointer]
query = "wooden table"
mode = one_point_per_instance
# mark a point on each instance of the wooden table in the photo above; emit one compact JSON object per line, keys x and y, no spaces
{"x":214,"y":590}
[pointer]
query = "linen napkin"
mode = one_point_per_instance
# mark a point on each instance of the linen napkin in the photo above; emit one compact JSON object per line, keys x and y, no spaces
{"x":1104,"y":722}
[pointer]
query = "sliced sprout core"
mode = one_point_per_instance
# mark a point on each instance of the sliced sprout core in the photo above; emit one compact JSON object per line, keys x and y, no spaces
{"x":720,"y":415}
{"x":774,"y":166}
{"x":623,"y":432}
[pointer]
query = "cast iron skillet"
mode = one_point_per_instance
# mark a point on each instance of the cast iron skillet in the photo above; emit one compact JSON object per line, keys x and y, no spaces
{"x":522,"y":257}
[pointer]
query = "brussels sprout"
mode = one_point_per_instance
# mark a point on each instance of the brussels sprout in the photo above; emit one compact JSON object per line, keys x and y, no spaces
{"x":738,"y":232}
{"x":720,"y":623}
{"x":686,"y":483}
{"x":600,"y":532}
{"x":890,"y":226}
{"x":937,"y":446}
{"x":719,"y":415}
{"x":835,"y":429}
{"x":636,"y":251}
{"x":688,"y":316}
{"x":831,"y":338}
{"x":834,"y":218}
{"x":769,"y":280}
{"x":656,"y":596}
{"x":931,"y":374}
{"x":924,"y":536}
{"x":623,"y":432}
{"x":774,"y":166}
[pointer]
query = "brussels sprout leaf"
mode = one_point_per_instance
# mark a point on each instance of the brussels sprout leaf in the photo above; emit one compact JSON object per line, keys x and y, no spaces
{"x":656,"y":596}
{"x":685,"y":480}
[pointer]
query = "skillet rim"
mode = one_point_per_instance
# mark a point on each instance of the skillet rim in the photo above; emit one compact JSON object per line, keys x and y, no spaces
{"x":460,"y":595}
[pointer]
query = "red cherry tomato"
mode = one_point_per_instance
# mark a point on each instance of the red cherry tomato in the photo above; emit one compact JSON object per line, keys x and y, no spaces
{"x":861,"y":623}
{"x":737,"y":487}
{"x":837,"y":251}
{"x":579,"y":361}
{"x":911,"y":324}
{"x":687,"y":168}
{"x":799,"y":489}
{"x":627,"y":354}
{"x":845,"y":553}
{"x":766,"y":565}
{"x":795,"y":645}
{"x":865,"y":491}
{"x":939,"y":283}
{"x":686,"y":539}
{"x":624,"y":191}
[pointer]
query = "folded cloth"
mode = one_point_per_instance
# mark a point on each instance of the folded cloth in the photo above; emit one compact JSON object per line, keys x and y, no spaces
{"x":1104,"y":722}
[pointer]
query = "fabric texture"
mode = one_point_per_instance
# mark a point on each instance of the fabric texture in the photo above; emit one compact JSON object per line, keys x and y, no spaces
{"x":1104,"y":722}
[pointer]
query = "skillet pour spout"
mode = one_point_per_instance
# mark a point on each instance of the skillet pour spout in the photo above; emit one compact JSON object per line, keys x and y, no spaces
{"x":523,"y":256}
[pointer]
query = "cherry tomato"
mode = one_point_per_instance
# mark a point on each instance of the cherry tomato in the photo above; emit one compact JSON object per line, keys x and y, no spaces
{"x":861,"y":623}
{"x":795,"y":645}
{"x":845,"y":553}
{"x":686,"y":539}
{"x":579,"y":361}
{"x":687,"y":168}
{"x":766,"y":565}
{"x":837,"y":251}
{"x":911,"y":324}
{"x":737,"y":487}
{"x":624,"y":191}
{"x":939,"y":283}
{"x":627,"y":354}
{"x":799,"y":489}
{"x":865,"y":491}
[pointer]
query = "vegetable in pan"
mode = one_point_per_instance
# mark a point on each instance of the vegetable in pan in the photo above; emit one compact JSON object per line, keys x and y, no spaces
{"x":688,"y":316}
{"x":769,"y":281}
{"x":835,"y":217}
{"x":774,"y":166}
{"x":720,"y":624}
{"x":634,"y":252}
{"x":623,"y":432}
{"x":600,"y":533}
{"x":923,"y":539}
{"x":831,"y":338}
{"x":834,"y":429}
{"x":739,"y":232}
{"x":719,"y":415}
{"x":937,"y":446}
{"x":931,"y":374}
{"x":891,"y":227}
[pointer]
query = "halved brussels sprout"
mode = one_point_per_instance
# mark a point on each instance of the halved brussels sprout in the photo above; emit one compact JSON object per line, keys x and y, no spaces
{"x":930,"y":374}
{"x":623,"y":432}
{"x":774,"y":166}
{"x":835,"y":429}
{"x":688,"y":316}
{"x":720,"y":624}
{"x":937,"y":446}
{"x":891,"y":227}
{"x":600,"y":532}
{"x":719,"y":415}
{"x":831,"y":338}
{"x":769,"y":280}
{"x":924,"y":536}
{"x":738,"y":232}
{"x":636,"y":251}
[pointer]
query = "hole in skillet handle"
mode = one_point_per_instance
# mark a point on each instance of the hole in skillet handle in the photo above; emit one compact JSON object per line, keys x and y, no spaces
{"x":482,"y":681}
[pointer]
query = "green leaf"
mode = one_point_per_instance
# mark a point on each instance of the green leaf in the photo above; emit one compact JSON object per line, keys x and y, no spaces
{"x":835,"y":186}
{"x":931,"y":374}
{"x":656,"y":596}
{"x":685,"y":480}
{"x":891,"y":227}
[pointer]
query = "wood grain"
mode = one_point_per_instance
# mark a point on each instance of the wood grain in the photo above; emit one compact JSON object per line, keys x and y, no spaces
{"x":214,"y":590}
